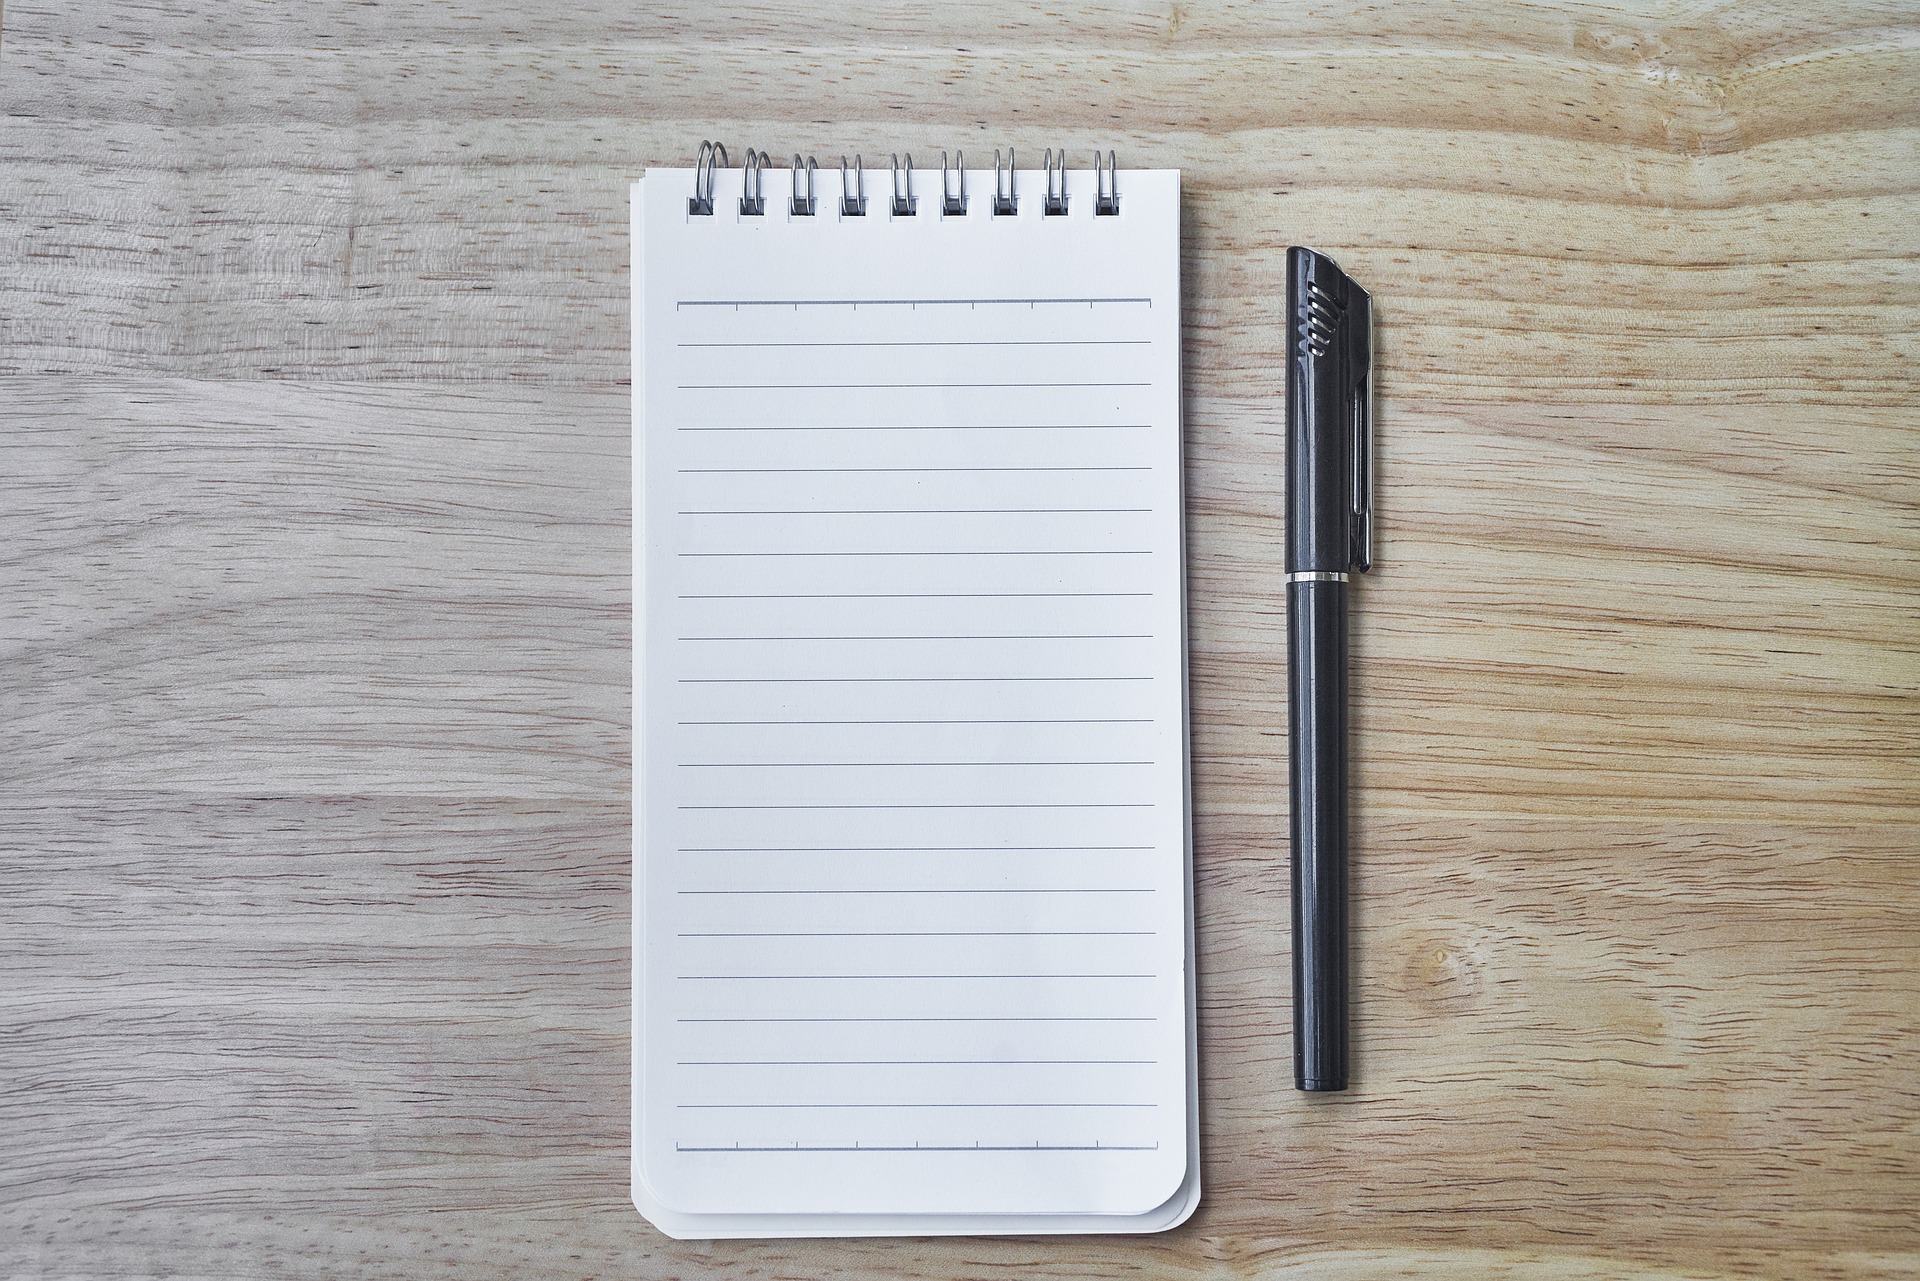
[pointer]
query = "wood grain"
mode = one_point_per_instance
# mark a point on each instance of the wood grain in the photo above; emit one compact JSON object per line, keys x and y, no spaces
{"x":314,"y":816}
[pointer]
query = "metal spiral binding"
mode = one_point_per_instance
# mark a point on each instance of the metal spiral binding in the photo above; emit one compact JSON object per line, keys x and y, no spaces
{"x":902,"y":196}
{"x":1056,"y":202}
{"x":753,"y":182}
{"x":711,"y":155}
{"x":853,"y":185}
{"x":853,"y":198}
{"x":952,"y":206}
{"x":802,"y":208}
{"x":1004,"y":201}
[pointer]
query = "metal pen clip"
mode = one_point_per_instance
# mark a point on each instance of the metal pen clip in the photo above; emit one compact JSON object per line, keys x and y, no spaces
{"x":1359,"y":355}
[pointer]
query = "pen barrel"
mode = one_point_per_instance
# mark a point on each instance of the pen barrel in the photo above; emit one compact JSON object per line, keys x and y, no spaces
{"x":1317,"y":704}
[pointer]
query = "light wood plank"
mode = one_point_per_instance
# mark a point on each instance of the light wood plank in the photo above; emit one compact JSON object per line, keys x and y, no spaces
{"x":314,"y":637}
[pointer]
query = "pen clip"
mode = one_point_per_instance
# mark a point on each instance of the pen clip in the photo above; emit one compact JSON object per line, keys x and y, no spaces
{"x":1359,"y":355}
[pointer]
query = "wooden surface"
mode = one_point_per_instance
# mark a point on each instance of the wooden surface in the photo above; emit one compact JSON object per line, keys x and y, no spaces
{"x":314,"y":627}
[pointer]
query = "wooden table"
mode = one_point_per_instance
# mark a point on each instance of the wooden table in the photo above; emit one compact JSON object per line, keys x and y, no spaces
{"x":315,"y":515}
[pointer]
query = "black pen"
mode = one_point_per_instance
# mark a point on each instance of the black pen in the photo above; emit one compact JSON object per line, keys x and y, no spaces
{"x":1329,"y":535}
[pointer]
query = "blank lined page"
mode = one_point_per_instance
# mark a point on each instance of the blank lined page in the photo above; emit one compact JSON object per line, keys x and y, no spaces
{"x":911,"y":813}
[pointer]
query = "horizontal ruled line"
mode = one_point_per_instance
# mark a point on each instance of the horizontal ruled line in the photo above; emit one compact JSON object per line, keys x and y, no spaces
{"x":934,"y":1107}
{"x":921,"y":511}
{"x":1033,"y":1147}
{"x":911,"y":934}
{"x":886,"y":764}
{"x":1065,"y":889}
{"x":930,"y":1106}
{"x":917,"y":636}
{"x":917,"y":1062}
{"x":1092,"y":551}
{"x":956,"y":805}
{"x":1117,"y":720}
{"x":883,"y":680}
{"x":927,"y":1018}
{"x":918,"y":596}
{"x":835,"y":471}
{"x":888,"y":978}
{"x":897,"y":849}
{"x":940,"y":342}
{"x":917,"y":427}
{"x":895,"y":302}
{"x":893,"y":386}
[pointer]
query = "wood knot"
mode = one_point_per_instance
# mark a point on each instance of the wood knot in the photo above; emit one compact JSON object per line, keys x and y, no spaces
{"x":1446,"y":970}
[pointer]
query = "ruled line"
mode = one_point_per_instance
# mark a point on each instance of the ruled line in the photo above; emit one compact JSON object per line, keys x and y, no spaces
{"x":1133,"y":720}
{"x":885,"y":680}
{"x":921,"y":511}
{"x":887,"y":764}
{"x":916,"y":636}
{"x":929,"y":1106}
{"x":898,"y":849}
{"x":915,"y":595}
{"x":1070,"y":551}
{"x":913,"y":978}
{"x":936,"y":342}
{"x":826,"y":471}
{"x":957,"y":805}
{"x":892,"y":386}
{"x":917,"y":426}
{"x":992,"y":1147}
{"x":928,"y":1018}
{"x":992,"y":889}
{"x":916,"y":1062}
{"x":911,"y":934}
{"x":896,"y":302}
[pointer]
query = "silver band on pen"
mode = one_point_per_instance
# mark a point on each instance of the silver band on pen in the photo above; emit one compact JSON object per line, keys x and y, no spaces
{"x":1316,"y":576}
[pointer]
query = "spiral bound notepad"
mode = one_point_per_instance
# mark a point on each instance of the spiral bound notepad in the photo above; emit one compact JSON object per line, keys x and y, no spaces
{"x":912,"y":896}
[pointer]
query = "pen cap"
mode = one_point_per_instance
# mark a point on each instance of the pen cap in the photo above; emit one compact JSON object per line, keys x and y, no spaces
{"x":1329,"y":417}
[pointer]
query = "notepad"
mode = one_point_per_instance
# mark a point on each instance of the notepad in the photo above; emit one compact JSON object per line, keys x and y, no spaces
{"x":912,"y":894}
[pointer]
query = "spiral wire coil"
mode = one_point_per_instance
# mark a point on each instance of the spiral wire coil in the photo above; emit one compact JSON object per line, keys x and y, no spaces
{"x":803,"y":201}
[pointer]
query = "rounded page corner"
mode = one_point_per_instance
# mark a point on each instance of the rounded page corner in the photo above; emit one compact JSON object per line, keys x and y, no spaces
{"x":673,"y":1223}
{"x":1179,"y":1207}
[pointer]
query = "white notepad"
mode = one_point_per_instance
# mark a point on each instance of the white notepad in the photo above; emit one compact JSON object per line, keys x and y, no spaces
{"x":912,"y":923}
